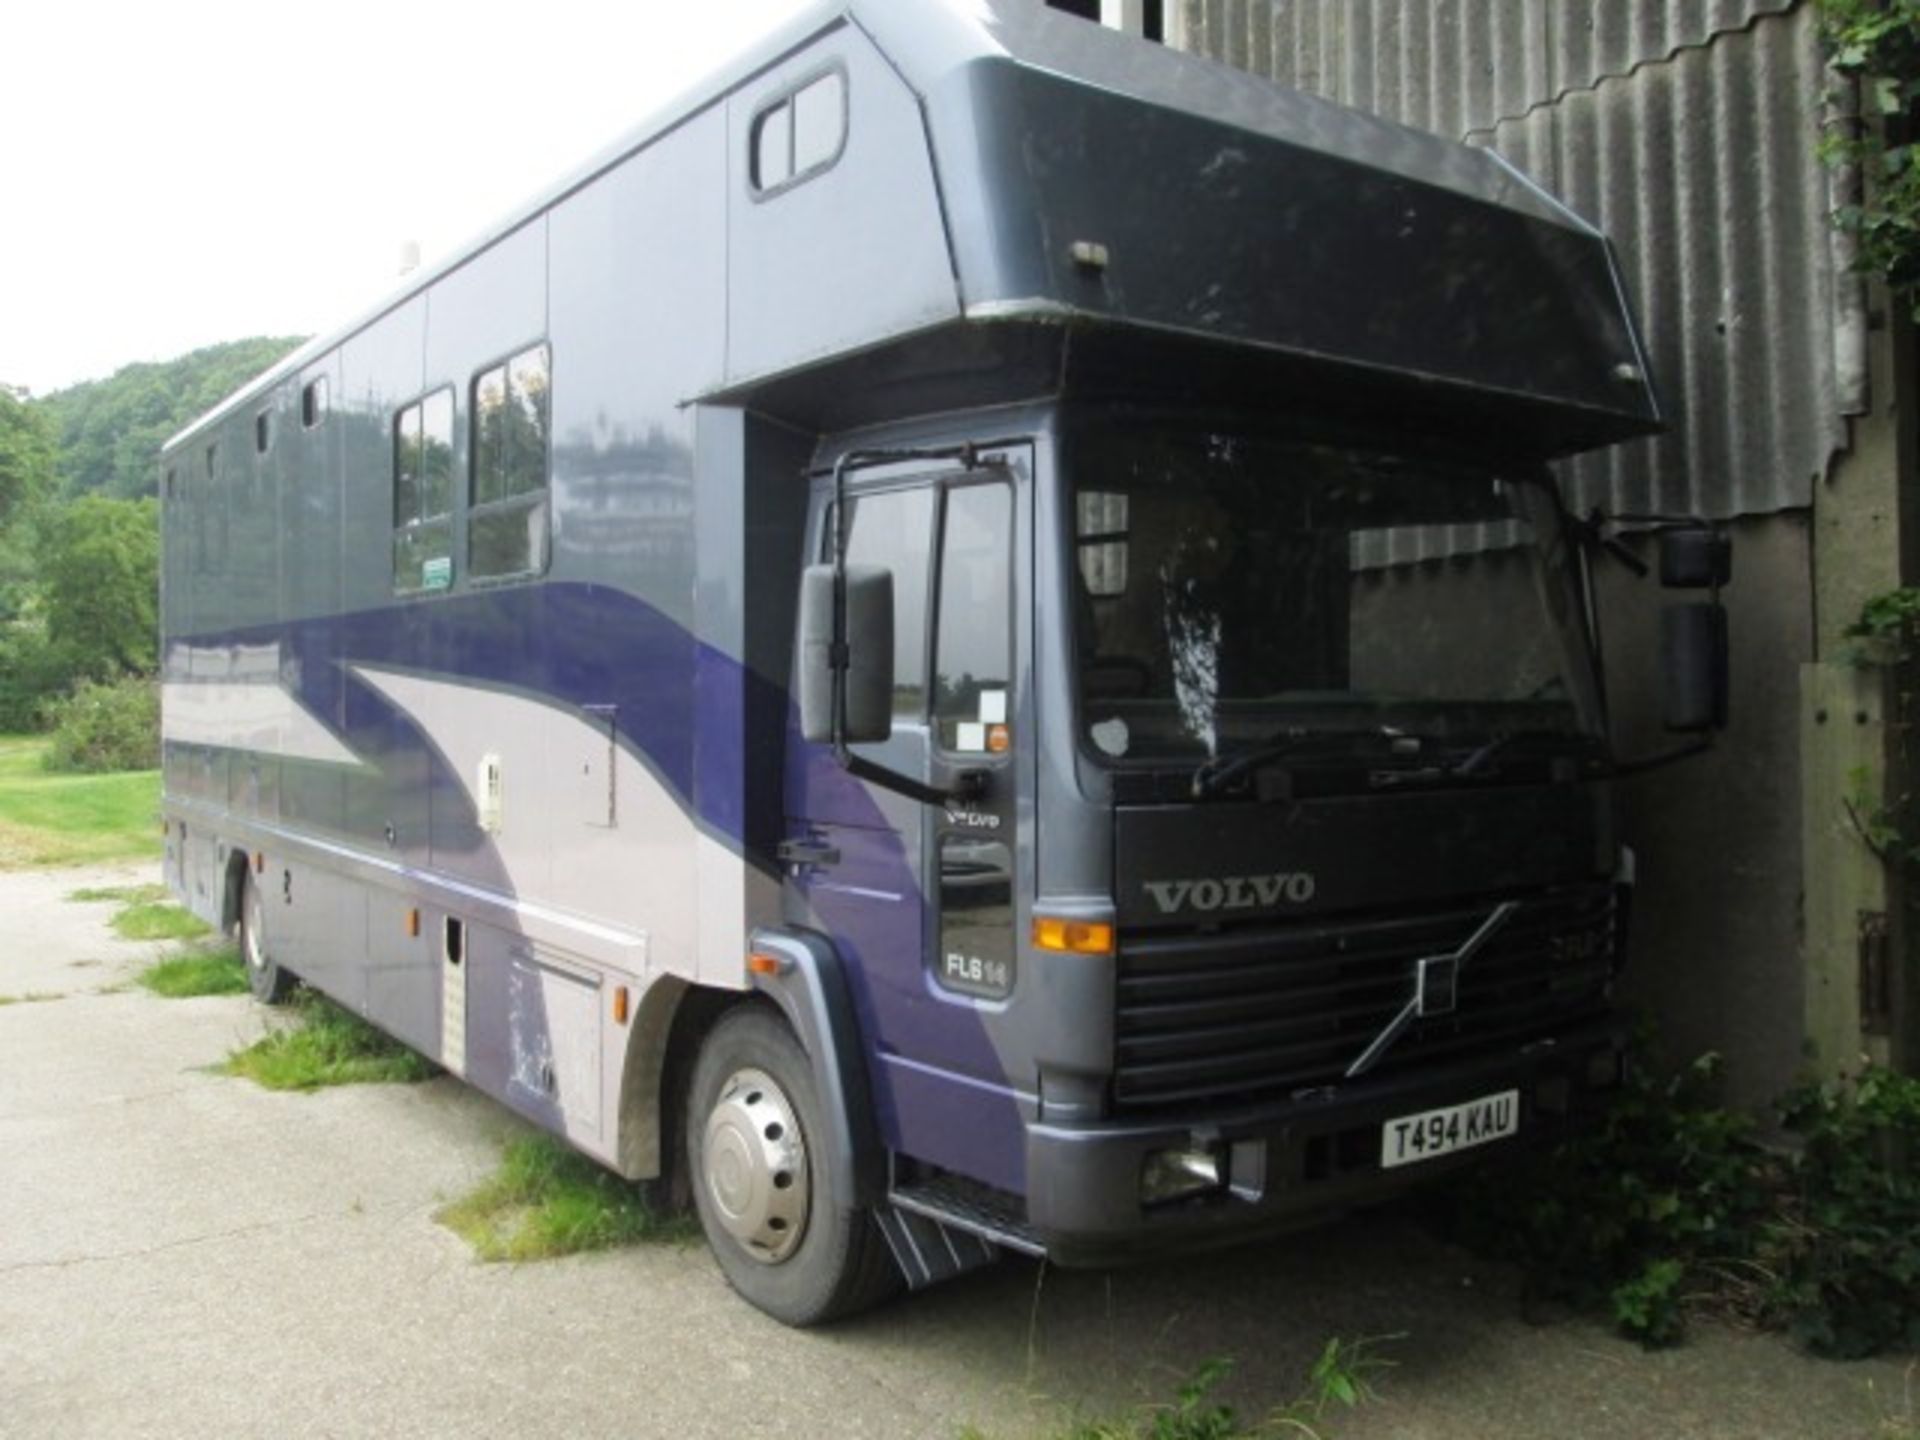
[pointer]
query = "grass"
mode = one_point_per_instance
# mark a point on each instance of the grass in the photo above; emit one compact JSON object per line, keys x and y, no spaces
{"x":48,"y":819}
{"x":124,"y":894}
{"x":146,"y":912}
{"x":157,"y":920}
{"x":546,"y":1200}
{"x":198,"y":972}
{"x":326,"y":1046}
{"x":1341,"y":1379}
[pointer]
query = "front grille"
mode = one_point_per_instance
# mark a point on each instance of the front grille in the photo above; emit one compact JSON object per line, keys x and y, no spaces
{"x":1253,"y":1014}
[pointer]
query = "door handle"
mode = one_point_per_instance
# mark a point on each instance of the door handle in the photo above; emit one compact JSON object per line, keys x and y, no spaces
{"x":806,"y":852}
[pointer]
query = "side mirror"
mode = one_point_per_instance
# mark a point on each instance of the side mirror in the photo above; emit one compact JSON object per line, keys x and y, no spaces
{"x":1693,"y":652}
{"x":868,"y":705}
{"x":1695,"y":557}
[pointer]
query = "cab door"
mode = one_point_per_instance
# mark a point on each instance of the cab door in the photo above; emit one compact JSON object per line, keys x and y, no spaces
{"x":919,"y":897}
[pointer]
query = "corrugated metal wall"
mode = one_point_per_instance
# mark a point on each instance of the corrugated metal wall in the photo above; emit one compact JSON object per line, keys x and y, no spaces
{"x":1686,"y":129}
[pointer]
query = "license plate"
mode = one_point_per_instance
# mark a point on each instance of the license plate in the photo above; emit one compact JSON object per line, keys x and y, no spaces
{"x":1432,"y":1133}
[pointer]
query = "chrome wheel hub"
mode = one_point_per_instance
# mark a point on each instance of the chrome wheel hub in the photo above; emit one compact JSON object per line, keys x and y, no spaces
{"x":755,"y":1159}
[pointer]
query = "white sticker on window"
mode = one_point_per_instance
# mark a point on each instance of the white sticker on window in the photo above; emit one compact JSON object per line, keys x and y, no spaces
{"x":972,"y":735}
{"x":437,"y":573}
{"x":1111,"y":736}
{"x":993,"y":707}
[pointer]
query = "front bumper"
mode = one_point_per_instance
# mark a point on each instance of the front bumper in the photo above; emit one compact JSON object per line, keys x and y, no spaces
{"x":1289,"y":1164}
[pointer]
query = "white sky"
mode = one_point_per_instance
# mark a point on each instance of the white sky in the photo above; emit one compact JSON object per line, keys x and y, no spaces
{"x":176,"y":175}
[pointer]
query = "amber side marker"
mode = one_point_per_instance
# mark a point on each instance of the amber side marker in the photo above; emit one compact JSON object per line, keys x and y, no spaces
{"x":413,"y":923}
{"x":1072,"y":937}
{"x":619,"y":1004}
{"x":259,"y":862}
{"x":759,"y":964}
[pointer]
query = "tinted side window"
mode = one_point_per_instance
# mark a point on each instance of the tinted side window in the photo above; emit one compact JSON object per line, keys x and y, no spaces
{"x":423,"y":494}
{"x":974,"y":656}
{"x":507,"y":525}
{"x":895,"y":528}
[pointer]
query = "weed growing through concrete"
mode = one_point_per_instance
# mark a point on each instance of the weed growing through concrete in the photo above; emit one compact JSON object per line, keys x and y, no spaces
{"x":146,"y":912}
{"x":119,"y":894}
{"x":1340,"y":1379}
{"x":199,"y":972}
{"x":326,"y":1046}
{"x":546,"y":1200}
{"x":157,"y":921}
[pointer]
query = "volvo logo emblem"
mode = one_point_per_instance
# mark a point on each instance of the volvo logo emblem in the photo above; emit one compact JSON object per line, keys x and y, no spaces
{"x":1436,"y":987}
{"x":1231,"y":892}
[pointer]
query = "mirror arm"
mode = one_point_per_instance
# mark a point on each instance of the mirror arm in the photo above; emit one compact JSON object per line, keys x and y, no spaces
{"x":1624,"y":768}
{"x":968,"y":785}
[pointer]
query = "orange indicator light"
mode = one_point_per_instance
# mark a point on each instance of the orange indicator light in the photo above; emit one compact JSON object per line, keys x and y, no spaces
{"x":759,"y":964}
{"x":413,"y":923}
{"x":1072,"y":937}
{"x":259,"y":862}
{"x":619,"y":1004}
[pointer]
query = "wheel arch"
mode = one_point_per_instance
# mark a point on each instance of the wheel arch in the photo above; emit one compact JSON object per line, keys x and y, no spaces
{"x":808,"y":983}
{"x":233,"y":885}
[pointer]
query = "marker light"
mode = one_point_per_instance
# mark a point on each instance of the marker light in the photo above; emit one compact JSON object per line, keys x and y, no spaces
{"x":619,"y":1004}
{"x":763,"y":964}
{"x":1072,"y":937}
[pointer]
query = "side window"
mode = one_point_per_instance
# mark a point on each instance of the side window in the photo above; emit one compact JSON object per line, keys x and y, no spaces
{"x":423,"y":494}
{"x":973,"y":657}
{"x":894,"y":528}
{"x":1101,"y":534}
{"x":507,"y":522}
{"x":210,"y":523}
{"x":800,"y":134}
{"x":313,"y":403}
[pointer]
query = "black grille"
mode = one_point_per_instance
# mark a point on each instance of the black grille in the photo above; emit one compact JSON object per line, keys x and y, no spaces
{"x":1252,"y":1014}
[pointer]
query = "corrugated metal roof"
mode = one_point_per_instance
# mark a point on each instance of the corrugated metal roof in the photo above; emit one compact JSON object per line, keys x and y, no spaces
{"x":1685,"y":129}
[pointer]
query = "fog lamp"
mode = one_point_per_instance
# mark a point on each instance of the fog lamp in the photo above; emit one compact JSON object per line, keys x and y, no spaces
{"x":1179,"y":1175}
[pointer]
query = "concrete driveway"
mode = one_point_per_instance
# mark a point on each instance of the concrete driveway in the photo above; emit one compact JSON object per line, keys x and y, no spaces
{"x":185,"y":1254}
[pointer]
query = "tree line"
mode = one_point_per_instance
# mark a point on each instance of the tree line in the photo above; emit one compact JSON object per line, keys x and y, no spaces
{"x":79,"y":522}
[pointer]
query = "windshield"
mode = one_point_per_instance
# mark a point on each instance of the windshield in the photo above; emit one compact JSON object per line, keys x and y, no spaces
{"x":1230,"y":592}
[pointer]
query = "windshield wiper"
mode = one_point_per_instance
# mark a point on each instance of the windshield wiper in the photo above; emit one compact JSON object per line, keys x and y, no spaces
{"x":1477,"y":761}
{"x":1281,"y":745}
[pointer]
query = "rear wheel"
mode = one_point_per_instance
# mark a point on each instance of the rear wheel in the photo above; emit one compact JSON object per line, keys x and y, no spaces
{"x":271,"y":984}
{"x":764,"y":1182}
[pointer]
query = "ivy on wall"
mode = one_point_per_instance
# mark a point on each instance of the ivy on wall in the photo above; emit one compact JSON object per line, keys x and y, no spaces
{"x":1877,"y":44}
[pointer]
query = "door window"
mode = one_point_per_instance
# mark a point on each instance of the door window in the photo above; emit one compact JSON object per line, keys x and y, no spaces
{"x":894,"y":528}
{"x":974,"y":655}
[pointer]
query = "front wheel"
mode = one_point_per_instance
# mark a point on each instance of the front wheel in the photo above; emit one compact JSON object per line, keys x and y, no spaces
{"x":270,"y":982}
{"x":764,"y":1182}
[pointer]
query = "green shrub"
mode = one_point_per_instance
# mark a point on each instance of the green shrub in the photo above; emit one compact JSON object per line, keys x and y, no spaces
{"x":33,"y":673}
{"x":1633,"y":1214}
{"x":100,"y":728}
{"x":1670,"y":1205}
{"x":1848,"y":1242}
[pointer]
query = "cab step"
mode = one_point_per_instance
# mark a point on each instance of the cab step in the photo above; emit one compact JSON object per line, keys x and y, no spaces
{"x":944,"y":1226}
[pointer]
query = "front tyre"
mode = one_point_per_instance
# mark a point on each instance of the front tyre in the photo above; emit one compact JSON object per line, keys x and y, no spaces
{"x":271,"y":984}
{"x":764,"y":1179}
